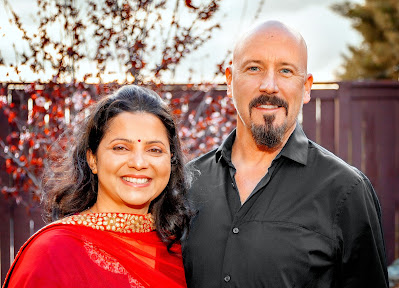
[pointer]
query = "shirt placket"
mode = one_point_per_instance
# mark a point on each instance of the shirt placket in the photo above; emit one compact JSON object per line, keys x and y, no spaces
{"x":228,"y":276}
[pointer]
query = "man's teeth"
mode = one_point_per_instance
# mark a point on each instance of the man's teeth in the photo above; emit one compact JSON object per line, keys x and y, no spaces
{"x":268,"y":106}
{"x":136,"y":180}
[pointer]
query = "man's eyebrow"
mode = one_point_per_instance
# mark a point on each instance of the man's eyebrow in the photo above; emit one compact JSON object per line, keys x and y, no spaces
{"x":289,"y":64}
{"x":246,"y":62}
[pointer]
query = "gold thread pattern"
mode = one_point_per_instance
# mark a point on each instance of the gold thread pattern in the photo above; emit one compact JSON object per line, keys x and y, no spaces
{"x":116,"y":222}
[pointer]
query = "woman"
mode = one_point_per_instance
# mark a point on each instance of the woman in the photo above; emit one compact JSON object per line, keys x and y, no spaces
{"x":119,"y":197}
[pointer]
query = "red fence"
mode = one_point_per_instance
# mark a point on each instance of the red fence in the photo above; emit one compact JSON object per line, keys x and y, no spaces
{"x":358,"y":121}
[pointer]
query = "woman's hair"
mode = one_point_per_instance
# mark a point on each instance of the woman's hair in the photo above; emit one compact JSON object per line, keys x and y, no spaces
{"x":70,"y":187}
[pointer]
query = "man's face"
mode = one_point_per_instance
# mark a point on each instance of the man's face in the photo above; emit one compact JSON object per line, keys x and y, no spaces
{"x":269,"y":83}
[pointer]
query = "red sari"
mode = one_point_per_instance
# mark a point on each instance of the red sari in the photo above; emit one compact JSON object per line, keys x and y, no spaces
{"x":97,"y":250}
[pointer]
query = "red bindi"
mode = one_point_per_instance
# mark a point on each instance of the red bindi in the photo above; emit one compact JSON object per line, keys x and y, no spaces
{"x":139,"y":140}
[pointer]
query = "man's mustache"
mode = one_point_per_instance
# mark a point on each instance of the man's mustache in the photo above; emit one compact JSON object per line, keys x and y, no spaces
{"x":270,"y":100}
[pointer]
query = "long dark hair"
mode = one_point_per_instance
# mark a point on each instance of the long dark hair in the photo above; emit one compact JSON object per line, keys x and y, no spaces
{"x":69,"y":187}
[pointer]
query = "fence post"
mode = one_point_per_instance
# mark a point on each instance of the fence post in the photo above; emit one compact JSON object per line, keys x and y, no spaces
{"x":342,"y":119}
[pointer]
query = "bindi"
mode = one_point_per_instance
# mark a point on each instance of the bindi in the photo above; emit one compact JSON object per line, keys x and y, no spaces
{"x":139,"y":140}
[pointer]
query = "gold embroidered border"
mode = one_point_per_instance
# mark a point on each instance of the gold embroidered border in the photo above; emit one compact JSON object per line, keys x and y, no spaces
{"x":117,"y":222}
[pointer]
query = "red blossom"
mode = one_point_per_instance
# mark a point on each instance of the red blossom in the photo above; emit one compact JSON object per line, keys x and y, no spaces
{"x":11,"y":116}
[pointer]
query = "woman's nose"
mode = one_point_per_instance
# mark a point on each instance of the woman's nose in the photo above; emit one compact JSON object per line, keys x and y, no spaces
{"x":137,"y":160}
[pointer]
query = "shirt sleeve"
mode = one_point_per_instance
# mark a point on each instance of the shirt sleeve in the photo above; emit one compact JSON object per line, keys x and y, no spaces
{"x":363,"y":257}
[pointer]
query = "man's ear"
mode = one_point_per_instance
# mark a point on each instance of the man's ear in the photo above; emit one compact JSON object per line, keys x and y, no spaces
{"x":91,"y":161}
{"x":229,"y":78}
{"x":308,"y":88}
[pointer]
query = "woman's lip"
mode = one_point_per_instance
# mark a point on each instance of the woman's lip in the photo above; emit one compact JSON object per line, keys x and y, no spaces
{"x":136,"y":180}
{"x":136,"y":176}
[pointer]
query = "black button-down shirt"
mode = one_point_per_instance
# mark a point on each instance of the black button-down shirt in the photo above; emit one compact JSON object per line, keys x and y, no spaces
{"x":312,"y":221}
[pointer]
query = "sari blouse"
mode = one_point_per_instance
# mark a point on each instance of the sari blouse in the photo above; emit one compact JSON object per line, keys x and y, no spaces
{"x":97,"y":250}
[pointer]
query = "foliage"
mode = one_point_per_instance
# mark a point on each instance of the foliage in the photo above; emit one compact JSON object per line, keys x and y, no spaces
{"x":378,"y":56}
{"x":205,"y":117}
{"x":38,"y":114}
{"x":130,"y":38}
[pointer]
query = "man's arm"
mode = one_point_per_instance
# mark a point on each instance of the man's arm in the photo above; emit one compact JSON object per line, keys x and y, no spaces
{"x":363,"y":262}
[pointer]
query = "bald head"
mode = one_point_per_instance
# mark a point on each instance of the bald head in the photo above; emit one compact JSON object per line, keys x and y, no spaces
{"x":268,"y":83}
{"x":270,"y":31}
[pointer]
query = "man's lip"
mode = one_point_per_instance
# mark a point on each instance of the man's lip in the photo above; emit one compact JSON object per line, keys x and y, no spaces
{"x":268,"y":106}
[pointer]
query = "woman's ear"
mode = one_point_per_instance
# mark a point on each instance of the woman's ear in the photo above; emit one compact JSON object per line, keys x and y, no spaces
{"x":91,"y":161}
{"x":173,"y":159}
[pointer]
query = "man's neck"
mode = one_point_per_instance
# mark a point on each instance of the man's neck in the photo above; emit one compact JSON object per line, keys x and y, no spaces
{"x":251,"y":161}
{"x":246,"y":151}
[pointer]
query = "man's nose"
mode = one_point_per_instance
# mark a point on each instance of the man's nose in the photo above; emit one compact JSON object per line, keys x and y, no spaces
{"x":268,"y":83}
{"x":137,"y":160}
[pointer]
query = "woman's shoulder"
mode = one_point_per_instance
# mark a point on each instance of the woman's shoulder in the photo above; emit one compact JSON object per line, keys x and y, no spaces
{"x":48,"y":240}
{"x":43,"y":255}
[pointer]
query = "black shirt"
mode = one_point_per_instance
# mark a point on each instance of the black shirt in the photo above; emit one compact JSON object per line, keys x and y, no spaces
{"x":312,"y":221}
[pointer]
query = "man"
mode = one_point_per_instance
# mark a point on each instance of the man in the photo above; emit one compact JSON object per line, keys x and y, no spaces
{"x":274,"y":208}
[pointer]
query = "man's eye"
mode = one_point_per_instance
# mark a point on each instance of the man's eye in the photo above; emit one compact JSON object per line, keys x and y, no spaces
{"x":253,"y":68}
{"x":286,"y":71}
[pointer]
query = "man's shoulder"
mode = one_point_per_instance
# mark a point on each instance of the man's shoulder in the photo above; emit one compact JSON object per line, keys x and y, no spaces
{"x":206,"y":172}
{"x":204,"y":160}
{"x":331,"y":163}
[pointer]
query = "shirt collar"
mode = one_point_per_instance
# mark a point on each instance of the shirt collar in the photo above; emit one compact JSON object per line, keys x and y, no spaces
{"x":295,"y":149}
{"x":224,"y":150}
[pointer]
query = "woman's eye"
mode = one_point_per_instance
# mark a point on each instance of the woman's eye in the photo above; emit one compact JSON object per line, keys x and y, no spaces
{"x":155,"y":150}
{"x":119,"y":148}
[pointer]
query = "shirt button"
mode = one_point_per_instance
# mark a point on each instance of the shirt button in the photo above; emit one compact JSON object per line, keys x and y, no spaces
{"x":236,"y":230}
{"x":227,"y":278}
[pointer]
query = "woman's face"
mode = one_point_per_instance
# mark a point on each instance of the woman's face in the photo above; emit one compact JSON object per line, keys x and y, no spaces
{"x":133,"y":163}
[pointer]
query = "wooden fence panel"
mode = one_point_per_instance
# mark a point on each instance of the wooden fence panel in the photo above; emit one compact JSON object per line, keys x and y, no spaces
{"x":20,"y":217}
{"x":309,"y":119}
{"x":4,"y":207}
{"x":380,"y":165}
{"x":358,"y":131}
{"x":326,"y":124}
{"x":342,"y":122}
{"x":5,"y":244}
{"x":323,"y":116}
